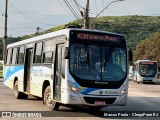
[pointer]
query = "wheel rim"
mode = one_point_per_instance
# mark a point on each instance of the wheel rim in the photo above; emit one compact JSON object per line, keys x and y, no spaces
{"x":48,"y":99}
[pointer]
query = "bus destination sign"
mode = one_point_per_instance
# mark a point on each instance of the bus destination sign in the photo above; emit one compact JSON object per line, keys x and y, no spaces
{"x":89,"y":36}
{"x":146,"y":63}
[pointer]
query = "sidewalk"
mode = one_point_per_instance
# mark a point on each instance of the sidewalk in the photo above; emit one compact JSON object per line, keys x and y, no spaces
{"x":1,"y":79}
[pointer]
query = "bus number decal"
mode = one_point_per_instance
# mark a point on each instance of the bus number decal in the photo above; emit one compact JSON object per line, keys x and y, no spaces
{"x":37,"y":72}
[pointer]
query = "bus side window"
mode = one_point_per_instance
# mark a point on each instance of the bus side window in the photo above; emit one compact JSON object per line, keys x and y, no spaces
{"x":9,"y":56}
{"x":38,"y":53}
{"x":21,"y":55}
{"x":14,"y":56}
{"x":47,"y":57}
{"x":48,"y":51}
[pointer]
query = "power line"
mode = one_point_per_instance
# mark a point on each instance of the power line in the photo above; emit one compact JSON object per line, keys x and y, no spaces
{"x":28,"y":17}
{"x":72,"y":10}
{"x":76,"y":8}
{"x":63,"y":6}
{"x":78,"y":5}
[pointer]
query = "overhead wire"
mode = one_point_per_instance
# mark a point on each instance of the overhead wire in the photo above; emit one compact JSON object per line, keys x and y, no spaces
{"x":75,"y":7}
{"x":78,"y":5}
{"x":63,"y":6}
{"x":28,"y":17}
{"x":72,"y":10}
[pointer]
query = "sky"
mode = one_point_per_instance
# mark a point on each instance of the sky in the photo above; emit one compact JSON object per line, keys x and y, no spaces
{"x":24,"y":16}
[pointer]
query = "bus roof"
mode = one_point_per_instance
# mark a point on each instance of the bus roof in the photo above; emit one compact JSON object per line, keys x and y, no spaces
{"x":54,"y":34}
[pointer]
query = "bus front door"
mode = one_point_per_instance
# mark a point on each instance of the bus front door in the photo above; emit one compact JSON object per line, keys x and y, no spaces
{"x":27,"y":69}
{"x":57,"y":79}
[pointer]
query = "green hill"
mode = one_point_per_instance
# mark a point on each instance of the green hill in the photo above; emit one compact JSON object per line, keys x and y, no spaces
{"x":135,"y":28}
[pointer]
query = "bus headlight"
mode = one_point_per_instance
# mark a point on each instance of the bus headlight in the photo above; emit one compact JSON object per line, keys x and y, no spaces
{"x":72,"y":87}
{"x":123,"y":91}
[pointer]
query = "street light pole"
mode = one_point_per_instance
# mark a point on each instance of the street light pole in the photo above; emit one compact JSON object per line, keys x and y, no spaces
{"x":5,"y":32}
{"x":105,"y":8}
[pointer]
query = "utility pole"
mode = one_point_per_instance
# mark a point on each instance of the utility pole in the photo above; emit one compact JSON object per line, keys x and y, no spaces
{"x":5,"y":33}
{"x":86,"y":16}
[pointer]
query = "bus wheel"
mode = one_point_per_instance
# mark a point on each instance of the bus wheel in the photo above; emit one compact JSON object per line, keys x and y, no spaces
{"x":17,"y":94}
{"x":52,"y":105}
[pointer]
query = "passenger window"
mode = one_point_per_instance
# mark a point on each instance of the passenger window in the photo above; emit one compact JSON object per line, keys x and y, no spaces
{"x":9,"y":54}
{"x":38,"y":53}
{"x":14,"y":56}
{"x":48,"y":51}
{"x":47,"y":57}
{"x":21,"y":55}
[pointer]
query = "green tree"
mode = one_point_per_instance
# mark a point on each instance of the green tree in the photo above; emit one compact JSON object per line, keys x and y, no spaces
{"x":149,"y":48}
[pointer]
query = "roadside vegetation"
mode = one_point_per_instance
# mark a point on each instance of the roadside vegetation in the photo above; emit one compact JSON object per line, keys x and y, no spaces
{"x":148,"y":48}
{"x":141,"y":32}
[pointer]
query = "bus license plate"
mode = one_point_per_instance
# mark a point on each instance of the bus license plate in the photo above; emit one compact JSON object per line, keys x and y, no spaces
{"x":100,"y":102}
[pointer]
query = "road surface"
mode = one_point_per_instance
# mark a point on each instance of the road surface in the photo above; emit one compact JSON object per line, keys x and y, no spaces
{"x":141,"y":97}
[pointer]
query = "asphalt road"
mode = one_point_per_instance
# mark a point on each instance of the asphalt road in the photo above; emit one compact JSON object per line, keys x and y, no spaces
{"x":141,"y":97}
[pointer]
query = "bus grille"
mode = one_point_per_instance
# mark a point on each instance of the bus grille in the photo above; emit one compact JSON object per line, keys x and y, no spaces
{"x":91,"y":100}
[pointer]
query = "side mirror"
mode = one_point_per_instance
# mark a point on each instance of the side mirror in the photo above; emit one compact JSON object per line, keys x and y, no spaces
{"x":130,"y":55}
{"x":66,"y":53}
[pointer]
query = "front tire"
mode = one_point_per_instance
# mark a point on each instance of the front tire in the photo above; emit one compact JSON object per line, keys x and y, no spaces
{"x":52,"y":105}
{"x":17,"y":94}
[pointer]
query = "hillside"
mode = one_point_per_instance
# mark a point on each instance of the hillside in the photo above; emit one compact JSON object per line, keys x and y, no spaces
{"x":135,"y":28}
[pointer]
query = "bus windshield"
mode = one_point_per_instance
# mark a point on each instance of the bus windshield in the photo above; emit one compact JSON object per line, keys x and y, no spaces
{"x":93,"y":62}
{"x":148,"y":69}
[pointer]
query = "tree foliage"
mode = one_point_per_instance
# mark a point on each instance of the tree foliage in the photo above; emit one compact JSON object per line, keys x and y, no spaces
{"x":149,"y":48}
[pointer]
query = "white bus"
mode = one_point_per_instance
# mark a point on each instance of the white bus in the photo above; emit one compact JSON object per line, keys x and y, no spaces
{"x":145,"y":71}
{"x":70,"y":67}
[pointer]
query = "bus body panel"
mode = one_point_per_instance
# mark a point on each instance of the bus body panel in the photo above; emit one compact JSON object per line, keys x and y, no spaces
{"x":69,"y":97}
{"x":12,"y":72}
{"x":84,"y":95}
{"x":38,"y":75}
